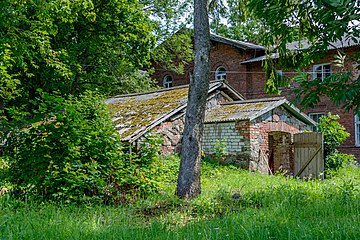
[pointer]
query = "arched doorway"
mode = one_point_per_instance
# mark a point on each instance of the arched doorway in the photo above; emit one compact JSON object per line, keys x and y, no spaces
{"x":280,"y":152}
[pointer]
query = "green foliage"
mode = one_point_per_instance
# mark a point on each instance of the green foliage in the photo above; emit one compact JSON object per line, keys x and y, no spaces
{"x":274,"y":80}
{"x":175,"y":51}
{"x":69,"y":151}
{"x":72,"y":46}
{"x":220,"y":150}
{"x":235,"y":204}
{"x":336,"y":161}
{"x":334,"y":133}
{"x":4,"y":172}
{"x":8,"y":82}
{"x":240,"y":23}
{"x":314,"y":26}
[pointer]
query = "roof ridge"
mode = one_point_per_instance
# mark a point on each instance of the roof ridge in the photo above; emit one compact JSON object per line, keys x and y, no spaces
{"x":149,"y":92}
{"x":256,"y":100}
{"x":160,"y":90}
{"x":244,"y":44}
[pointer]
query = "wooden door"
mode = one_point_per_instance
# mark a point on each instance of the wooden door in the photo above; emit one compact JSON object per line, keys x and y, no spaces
{"x":308,"y":155}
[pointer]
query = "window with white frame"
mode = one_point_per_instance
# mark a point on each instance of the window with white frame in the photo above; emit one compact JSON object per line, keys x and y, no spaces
{"x":167,"y":81}
{"x":220,"y":73}
{"x":316,"y":117}
{"x":321,"y":71}
{"x":357,"y":130}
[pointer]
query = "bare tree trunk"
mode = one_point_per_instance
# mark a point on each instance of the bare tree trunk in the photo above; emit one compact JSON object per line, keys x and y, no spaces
{"x":188,"y":185}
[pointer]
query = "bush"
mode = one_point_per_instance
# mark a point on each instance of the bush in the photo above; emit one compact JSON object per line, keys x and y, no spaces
{"x":74,"y":154}
{"x":338,"y":160}
{"x":335,"y":134}
{"x":4,"y":172}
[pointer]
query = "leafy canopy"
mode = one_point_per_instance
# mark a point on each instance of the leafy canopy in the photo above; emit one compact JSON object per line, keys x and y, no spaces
{"x":71,"y":46}
{"x":318,"y":24}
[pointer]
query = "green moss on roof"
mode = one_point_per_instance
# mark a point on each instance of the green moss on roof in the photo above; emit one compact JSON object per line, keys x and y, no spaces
{"x":133,"y":114}
{"x":236,"y":111}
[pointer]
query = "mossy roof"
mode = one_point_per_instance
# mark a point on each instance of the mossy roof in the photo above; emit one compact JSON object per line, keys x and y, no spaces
{"x":135,"y":114}
{"x":132,"y":114}
{"x":251,"y":109}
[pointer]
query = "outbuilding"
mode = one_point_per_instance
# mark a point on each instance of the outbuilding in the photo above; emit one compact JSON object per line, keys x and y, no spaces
{"x":257,"y":133}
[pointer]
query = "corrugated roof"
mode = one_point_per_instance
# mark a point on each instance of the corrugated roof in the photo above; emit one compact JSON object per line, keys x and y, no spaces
{"x":299,"y":45}
{"x":251,"y":109}
{"x":135,"y":114}
{"x":235,"y":43}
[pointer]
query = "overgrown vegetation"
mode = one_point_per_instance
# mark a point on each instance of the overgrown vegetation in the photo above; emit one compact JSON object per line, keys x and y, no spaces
{"x":67,"y":150}
{"x":335,"y":135}
{"x":235,"y":204}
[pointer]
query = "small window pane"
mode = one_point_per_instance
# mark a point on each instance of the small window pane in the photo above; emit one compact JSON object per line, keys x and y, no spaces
{"x":321,"y":71}
{"x":220,"y":73}
{"x":167,"y":81}
{"x":316,"y":117}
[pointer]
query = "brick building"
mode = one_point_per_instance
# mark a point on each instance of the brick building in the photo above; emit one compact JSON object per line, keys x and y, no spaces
{"x":257,"y":133}
{"x":226,"y":57}
{"x":249,"y":127}
{"x":240,"y":63}
{"x":161,"y":112}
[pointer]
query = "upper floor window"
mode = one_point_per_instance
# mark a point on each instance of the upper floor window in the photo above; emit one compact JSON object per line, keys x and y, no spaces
{"x":316,"y":117}
{"x":357,"y":130}
{"x":321,"y":71}
{"x":220,"y":73}
{"x":167,"y":81}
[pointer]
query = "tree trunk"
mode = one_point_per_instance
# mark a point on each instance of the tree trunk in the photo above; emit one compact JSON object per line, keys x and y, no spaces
{"x":188,"y":185}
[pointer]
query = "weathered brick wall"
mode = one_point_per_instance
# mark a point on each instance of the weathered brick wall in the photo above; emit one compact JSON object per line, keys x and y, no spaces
{"x":172,"y":133}
{"x":234,"y":135}
{"x":255,"y":84}
{"x":172,"y":129}
{"x":279,"y":120}
{"x":248,"y":142}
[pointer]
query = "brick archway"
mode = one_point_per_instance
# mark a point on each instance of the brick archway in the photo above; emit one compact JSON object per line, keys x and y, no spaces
{"x":280,"y":152}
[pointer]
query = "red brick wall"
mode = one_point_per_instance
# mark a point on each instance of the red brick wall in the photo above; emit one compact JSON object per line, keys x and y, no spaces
{"x":221,"y":55}
{"x":249,"y":80}
{"x":255,"y":85}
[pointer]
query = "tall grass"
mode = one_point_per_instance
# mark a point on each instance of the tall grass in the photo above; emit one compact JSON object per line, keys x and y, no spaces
{"x":234,"y":204}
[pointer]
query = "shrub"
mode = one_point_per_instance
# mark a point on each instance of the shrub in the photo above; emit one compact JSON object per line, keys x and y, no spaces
{"x":338,"y":160}
{"x":220,"y":150}
{"x":4,"y":172}
{"x":69,"y":151}
{"x":335,"y":134}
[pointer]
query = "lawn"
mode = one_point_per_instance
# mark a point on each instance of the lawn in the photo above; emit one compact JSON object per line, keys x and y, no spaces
{"x":234,"y":204}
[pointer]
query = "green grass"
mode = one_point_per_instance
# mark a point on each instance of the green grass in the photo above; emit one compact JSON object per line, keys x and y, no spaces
{"x":263,"y":207}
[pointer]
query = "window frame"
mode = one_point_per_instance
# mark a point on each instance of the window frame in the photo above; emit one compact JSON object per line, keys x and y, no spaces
{"x":323,"y":73}
{"x":315,"y":129}
{"x":357,"y":129}
{"x":166,"y":82}
{"x":220,"y":75}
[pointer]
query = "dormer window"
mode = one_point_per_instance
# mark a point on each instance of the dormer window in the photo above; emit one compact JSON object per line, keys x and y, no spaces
{"x":167,"y":81}
{"x":220,"y":73}
{"x":321,"y":71}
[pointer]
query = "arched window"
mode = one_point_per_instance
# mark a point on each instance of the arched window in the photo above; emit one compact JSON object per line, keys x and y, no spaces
{"x":167,"y":81}
{"x":220,"y":73}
